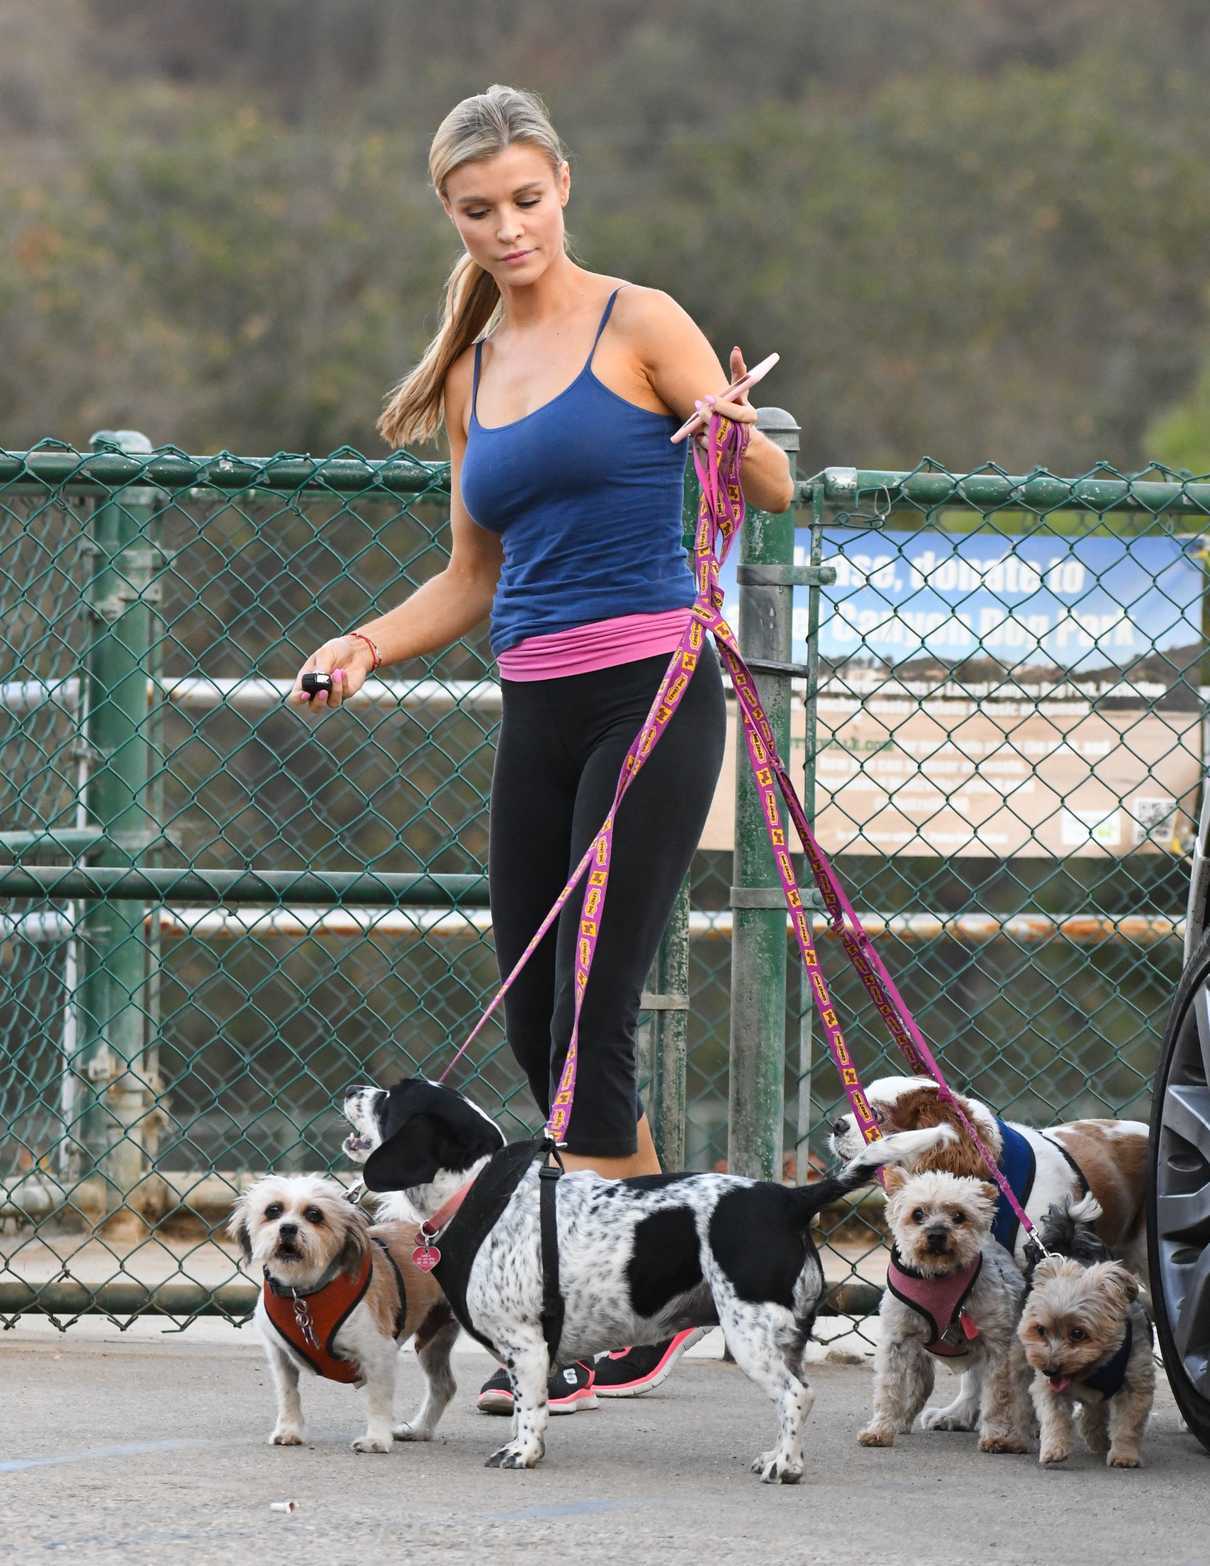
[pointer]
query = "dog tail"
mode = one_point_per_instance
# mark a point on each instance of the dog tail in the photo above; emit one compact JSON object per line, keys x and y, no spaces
{"x":903,"y":1147}
{"x":1086,"y":1210}
{"x":1067,"y":1230}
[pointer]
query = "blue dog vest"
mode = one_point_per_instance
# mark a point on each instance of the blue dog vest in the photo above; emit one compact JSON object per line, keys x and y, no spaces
{"x":1018,"y":1166}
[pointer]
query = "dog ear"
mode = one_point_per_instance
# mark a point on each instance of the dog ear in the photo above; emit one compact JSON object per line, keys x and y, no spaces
{"x":892,"y":1179}
{"x":1120,"y":1280}
{"x":357,"y":1241}
{"x":992,"y":1192}
{"x":237,"y":1227}
{"x":448,"y":1133}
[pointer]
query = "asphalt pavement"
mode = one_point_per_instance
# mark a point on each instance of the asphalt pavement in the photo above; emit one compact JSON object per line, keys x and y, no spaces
{"x":150,"y":1447}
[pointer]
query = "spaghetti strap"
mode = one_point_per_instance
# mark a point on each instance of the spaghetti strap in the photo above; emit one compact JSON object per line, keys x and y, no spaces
{"x":475,"y":381}
{"x":604,"y":322}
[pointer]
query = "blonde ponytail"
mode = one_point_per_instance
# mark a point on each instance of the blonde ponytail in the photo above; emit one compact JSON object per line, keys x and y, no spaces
{"x":479,"y":127}
{"x":416,"y":408}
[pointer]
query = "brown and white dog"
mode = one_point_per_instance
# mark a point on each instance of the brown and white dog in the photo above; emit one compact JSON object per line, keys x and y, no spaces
{"x":1110,"y":1154}
{"x":340,"y":1297}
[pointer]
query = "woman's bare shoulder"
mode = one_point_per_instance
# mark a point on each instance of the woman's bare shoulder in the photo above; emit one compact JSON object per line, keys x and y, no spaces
{"x":638,"y":305}
{"x":654,"y":324}
{"x":647,"y":315}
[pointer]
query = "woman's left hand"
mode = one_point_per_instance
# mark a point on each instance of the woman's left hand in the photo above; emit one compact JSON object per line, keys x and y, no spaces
{"x":737,"y":408}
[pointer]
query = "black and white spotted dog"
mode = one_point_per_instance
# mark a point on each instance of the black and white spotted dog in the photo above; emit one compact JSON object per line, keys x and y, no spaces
{"x":639,"y":1259}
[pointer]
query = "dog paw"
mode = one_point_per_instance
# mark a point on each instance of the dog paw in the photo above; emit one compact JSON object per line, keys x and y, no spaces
{"x":773,"y":1468}
{"x":515,"y":1456}
{"x":943,"y":1419}
{"x":367,"y":1443}
{"x":406,"y":1432}
{"x":1050,"y":1456}
{"x":872,"y":1435}
{"x":1123,"y":1460}
{"x":286,"y":1435}
{"x":1002,"y":1444}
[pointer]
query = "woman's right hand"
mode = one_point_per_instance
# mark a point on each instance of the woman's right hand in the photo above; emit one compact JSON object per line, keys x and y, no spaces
{"x":347,"y":659}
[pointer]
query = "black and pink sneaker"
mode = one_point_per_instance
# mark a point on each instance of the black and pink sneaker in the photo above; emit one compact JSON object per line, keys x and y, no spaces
{"x":569,"y":1389}
{"x":630,"y":1372}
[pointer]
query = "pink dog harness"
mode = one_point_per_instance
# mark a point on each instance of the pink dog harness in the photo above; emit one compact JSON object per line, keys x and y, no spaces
{"x":940,"y":1300}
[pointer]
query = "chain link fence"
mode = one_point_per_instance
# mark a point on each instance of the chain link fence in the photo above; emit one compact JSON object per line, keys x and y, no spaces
{"x":218,"y":913}
{"x":1008,"y":751}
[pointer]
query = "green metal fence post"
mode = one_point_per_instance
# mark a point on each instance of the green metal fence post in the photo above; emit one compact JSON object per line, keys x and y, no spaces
{"x":818,"y":578}
{"x":113,"y":980}
{"x":669,"y":1005}
{"x":758,"y":942}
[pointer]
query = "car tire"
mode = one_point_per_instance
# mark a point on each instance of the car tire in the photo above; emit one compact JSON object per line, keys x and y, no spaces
{"x":1178,"y":1195}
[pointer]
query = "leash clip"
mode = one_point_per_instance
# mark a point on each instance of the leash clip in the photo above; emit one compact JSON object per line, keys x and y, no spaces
{"x":355,"y":1191}
{"x":551,"y":1149}
{"x":306,"y":1326}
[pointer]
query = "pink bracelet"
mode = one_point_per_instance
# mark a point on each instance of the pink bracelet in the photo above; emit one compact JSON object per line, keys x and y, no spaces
{"x":372,"y":645}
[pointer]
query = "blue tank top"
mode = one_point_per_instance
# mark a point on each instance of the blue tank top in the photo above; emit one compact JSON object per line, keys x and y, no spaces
{"x":586,"y":494}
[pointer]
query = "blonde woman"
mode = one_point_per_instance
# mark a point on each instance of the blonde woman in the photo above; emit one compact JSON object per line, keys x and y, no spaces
{"x":558,"y":389}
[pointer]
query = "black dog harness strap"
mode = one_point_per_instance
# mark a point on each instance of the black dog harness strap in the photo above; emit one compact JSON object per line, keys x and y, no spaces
{"x":464,"y":1235}
{"x":548,"y":1223}
{"x":1075,"y":1168}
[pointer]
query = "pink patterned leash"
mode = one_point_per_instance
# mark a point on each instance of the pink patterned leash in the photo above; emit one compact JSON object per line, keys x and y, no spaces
{"x":769,"y":769}
{"x":720,"y":515}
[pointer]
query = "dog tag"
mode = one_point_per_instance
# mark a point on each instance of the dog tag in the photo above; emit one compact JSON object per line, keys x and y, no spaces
{"x":969,"y":1328}
{"x":425,"y":1257}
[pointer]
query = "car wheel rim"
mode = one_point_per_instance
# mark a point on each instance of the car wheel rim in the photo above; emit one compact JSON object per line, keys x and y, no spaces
{"x":1182,"y":1194}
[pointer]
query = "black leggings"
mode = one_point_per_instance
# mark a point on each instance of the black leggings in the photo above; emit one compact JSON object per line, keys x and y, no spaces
{"x":562,"y":743}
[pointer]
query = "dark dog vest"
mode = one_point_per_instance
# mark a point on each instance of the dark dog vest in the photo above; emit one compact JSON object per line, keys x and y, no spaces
{"x":310,"y":1319}
{"x":939,"y":1301}
{"x":1110,"y":1375}
{"x":1018,"y":1165}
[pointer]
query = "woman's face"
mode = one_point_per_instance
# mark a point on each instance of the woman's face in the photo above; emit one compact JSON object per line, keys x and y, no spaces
{"x":508,"y":211}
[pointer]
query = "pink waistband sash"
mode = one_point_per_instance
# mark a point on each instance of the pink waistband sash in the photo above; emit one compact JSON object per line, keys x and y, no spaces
{"x":625,"y":638}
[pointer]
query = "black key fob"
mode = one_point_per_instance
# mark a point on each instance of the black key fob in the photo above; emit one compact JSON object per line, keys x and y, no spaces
{"x":314,"y":682}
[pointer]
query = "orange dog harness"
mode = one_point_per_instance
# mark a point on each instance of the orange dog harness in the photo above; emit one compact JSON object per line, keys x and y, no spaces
{"x":310,"y":1319}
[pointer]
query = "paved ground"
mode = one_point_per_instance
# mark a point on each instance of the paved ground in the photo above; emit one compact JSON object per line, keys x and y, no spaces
{"x":150,"y":1448}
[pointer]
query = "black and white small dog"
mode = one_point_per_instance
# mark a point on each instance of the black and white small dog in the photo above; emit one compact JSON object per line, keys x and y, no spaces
{"x":639,"y":1259}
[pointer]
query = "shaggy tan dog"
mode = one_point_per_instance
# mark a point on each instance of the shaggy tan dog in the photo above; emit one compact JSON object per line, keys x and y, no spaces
{"x":340,"y":1296}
